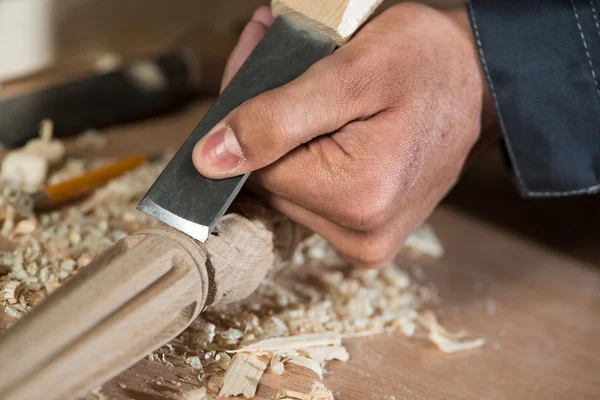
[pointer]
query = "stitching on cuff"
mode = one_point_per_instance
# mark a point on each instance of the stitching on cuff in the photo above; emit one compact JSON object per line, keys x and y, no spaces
{"x":585,"y":46}
{"x":511,"y":154}
{"x":595,"y":14}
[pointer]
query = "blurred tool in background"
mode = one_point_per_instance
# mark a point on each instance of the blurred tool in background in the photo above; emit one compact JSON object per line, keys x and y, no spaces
{"x":123,"y":93}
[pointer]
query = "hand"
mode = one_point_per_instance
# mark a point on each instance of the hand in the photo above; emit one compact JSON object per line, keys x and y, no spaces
{"x":363,"y":145}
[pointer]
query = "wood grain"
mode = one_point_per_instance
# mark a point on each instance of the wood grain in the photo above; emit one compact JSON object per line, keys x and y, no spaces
{"x":338,"y":19}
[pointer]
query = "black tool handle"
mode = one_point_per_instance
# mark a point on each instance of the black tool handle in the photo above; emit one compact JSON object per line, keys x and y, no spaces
{"x":97,"y":101}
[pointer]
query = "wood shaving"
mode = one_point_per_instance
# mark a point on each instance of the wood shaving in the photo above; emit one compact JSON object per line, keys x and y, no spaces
{"x":304,"y":324}
{"x":197,"y":394}
{"x":11,"y":292}
{"x":13,"y":311}
{"x":308,"y":363}
{"x":29,"y":170}
{"x":276,"y":365}
{"x":243,"y":375}
{"x":447,"y":342}
{"x":41,"y":251}
{"x":49,"y":149}
{"x":326,"y":353}
{"x":29,"y":165}
{"x":96,"y":394}
{"x":318,"y":392}
{"x":194,"y":362}
{"x":424,"y":241}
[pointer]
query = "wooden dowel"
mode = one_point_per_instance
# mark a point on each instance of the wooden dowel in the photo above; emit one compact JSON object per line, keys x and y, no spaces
{"x":134,"y":298}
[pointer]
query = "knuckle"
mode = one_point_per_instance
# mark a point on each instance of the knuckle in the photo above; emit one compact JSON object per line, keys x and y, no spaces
{"x":260,"y":128}
{"x":355,"y":74}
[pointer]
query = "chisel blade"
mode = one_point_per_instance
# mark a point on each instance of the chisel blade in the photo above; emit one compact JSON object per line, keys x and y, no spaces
{"x":192,"y":203}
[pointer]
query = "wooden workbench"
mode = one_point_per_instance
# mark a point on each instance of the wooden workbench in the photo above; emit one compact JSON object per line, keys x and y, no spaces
{"x":538,"y":310}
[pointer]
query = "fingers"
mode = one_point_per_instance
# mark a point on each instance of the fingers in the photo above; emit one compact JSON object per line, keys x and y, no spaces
{"x":348,"y":177}
{"x":265,"y":128}
{"x":363,"y":250}
{"x":249,"y":38}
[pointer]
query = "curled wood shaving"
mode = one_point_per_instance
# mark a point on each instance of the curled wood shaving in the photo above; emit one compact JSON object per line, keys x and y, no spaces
{"x":446,"y":341}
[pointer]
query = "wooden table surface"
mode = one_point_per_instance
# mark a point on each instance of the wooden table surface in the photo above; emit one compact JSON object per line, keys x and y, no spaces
{"x":539,"y":311}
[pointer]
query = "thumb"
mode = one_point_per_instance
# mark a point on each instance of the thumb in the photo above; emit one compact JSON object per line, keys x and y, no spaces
{"x":268,"y":126}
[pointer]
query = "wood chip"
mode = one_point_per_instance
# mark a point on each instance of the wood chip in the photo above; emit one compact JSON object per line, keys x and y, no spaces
{"x":448,"y":345}
{"x":29,"y":170}
{"x":424,"y":241}
{"x":326,"y":353}
{"x":318,"y":392}
{"x":11,"y":292}
{"x":26,"y":226}
{"x":13,"y":312}
{"x":194,"y":362}
{"x":51,"y":150}
{"x":197,"y":394}
{"x":276,"y":365}
{"x":243,"y":375}
{"x":308,"y":363}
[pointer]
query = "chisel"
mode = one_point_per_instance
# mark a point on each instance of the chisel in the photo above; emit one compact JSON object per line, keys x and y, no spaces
{"x":148,"y":287}
{"x":304,"y":32}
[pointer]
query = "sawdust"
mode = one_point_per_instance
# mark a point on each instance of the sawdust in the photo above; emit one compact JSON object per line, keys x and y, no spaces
{"x":304,"y":324}
{"x":42,"y":250}
{"x":307,"y":323}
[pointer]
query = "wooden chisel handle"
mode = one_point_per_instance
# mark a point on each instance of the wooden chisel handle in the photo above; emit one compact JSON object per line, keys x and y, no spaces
{"x":135,"y":297}
{"x":338,"y":19}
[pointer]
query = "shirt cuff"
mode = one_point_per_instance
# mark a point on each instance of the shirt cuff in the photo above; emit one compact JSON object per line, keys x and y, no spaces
{"x":542,"y":64}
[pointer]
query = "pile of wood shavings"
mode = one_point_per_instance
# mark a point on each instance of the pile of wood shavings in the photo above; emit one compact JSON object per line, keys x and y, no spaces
{"x":306,"y":324}
{"x":40,"y":251}
{"x":303,"y":325}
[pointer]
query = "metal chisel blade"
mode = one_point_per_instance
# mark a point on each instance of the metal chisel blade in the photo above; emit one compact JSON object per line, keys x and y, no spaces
{"x":188,"y":201}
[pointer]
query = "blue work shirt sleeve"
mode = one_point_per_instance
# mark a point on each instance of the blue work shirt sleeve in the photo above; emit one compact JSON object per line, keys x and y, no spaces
{"x":542,"y":63}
